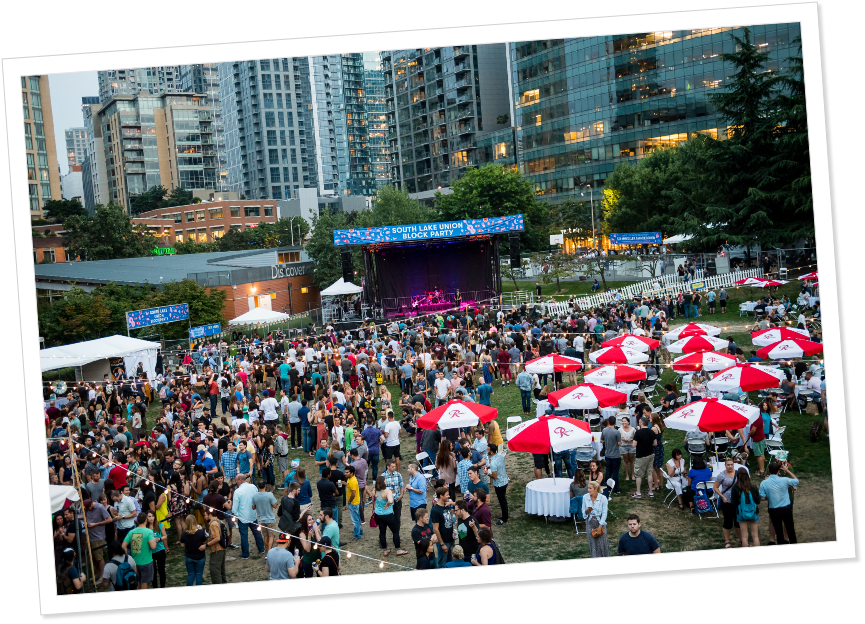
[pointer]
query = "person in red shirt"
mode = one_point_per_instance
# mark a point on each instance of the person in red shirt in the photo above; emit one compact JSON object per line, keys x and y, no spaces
{"x":758,"y":439}
{"x":118,"y":473}
{"x":505,"y":365}
{"x":183,"y":451}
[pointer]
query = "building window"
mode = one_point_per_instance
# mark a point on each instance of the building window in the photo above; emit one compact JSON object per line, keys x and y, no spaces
{"x":291,"y":137}
{"x":268,"y":211}
{"x":236,"y":227}
{"x":235,"y":212}
{"x":281,"y":137}
{"x":178,"y":237}
{"x":215,"y":213}
{"x":268,"y":100}
{"x":269,"y":120}
{"x":293,"y":156}
{"x":34,"y":84}
{"x":190,"y":216}
{"x":274,"y":174}
{"x":273,"y":156}
{"x":254,"y":211}
{"x":294,"y":174}
{"x":266,"y":84}
{"x":199,"y":215}
{"x":278,"y":83}
{"x":177,"y":217}
{"x":48,"y":256}
{"x":202,"y":235}
{"x":289,"y":256}
{"x":271,"y":138}
{"x":217,"y":233}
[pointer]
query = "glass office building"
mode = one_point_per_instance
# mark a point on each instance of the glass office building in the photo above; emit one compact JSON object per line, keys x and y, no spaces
{"x":583,"y":105}
{"x":376,"y":119}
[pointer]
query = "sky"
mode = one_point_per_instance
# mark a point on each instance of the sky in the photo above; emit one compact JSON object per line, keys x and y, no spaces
{"x":66,"y":93}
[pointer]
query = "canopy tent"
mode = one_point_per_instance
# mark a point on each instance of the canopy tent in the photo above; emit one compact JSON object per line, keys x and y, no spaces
{"x":59,"y":494}
{"x":259,"y":315}
{"x":79,"y":354}
{"x":341,"y":287}
{"x":678,"y":238}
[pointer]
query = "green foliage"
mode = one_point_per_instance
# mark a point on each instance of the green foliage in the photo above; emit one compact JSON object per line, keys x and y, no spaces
{"x":322,"y":252}
{"x":573,"y":218}
{"x":205,"y":306}
{"x":263,"y":236}
{"x":558,"y":265}
{"x":493,"y":191}
{"x":192,"y":247}
{"x":58,"y":210}
{"x":502,"y":119}
{"x":158,"y":197}
{"x":107,"y":234}
{"x":78,"y":316}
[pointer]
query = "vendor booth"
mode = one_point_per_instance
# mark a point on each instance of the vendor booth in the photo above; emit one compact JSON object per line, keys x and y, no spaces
{"x":93,"y":359}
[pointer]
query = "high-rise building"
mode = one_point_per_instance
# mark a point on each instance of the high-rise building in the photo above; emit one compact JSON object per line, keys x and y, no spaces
{"x":203,"y":79}
{"x":584,"y":105}
{"x":267,"y":127}
{"x":76,"y":146}
{"x":156,"y":80}
{"x":87,"y":100}
{"x":43,"y":172}
{"x":71,"y":184}
{"x":94,"y":176}
{"x":376,"y":119}
{"x":438,"y":99}
{"x":151,"y":140}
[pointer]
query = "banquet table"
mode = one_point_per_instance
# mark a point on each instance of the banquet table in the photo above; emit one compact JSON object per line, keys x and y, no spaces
{"x":548,"y":497}
{"x":749,"y":305}
{"x":627,"y":388}
{"x":606,"y":412}
{"x":718,"y":468}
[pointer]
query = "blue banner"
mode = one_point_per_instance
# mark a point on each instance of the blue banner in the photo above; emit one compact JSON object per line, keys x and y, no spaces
{"x":204,"y":330}
{"x":157,"y":316}
{"x":429,"y":231}
{"x":636,"y":238}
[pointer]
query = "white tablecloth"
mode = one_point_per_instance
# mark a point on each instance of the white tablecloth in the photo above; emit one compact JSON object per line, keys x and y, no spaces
{"x":606,"y":412}
{"x":626,"y":388}
{"x":720,"y":467}
{"x":749,"y":305}
{"x":548,"y":497}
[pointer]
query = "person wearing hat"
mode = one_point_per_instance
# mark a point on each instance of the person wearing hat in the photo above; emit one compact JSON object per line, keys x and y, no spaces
{"x":204,"y":459}
{"x":281,"y":563}
{"x":329,"y":565}
{"x":69,"y":579}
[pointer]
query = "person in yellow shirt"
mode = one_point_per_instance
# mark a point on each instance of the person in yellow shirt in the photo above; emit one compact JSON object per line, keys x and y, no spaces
{"x":352,"y":497}
{"x":494,"y":434}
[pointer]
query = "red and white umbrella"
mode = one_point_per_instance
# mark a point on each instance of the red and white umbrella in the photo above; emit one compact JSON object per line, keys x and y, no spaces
{"x":549,"y":433}
{"x":770,"y":283}
{"x":709,"y":415}
{"x":615,"y":373}
{"x":697,"y":344}
{"x":586,"y":396}
{"x":693,"y":329}
{"x":455,"y":414}
{"x":747,"y":377}
{"x":705,"y":360}
{"x":630,"y":341}
{"x":549,"y":364}
{"x":750,"y":281}
{"x":766,"y":337}
{"x":809,"y":276}
{"x":789,"y":349}
{"x":617,"y":355}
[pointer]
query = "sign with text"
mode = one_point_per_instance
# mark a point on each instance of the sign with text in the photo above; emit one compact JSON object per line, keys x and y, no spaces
{"x":204,"y":330}
{"x":429,"y":231}
{"x":698,"y":285}
{"x":636,"y":238}
{"x":290,"y":270}
{"x":157,"y":316}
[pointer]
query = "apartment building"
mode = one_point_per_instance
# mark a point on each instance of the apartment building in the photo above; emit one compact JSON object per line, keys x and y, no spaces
{"x":132,"y":81}
{"x":76,"y":146}
{"x":209,"y":221}
{"x":43,"y":172}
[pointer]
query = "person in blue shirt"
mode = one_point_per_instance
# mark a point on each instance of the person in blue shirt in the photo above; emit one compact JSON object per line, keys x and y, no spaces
{"x":321,"y":456}
{"x":417,"y":490}
{"x":754,"y":357}
{"x":484,"y":392}
{"x":458,"y":561}
{"x":283,"y":375}
{"x":699,"y":473}
{"x":775,"y":489}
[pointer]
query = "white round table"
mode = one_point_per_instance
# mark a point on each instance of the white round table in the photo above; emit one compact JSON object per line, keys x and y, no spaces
{"x":549,"y":497}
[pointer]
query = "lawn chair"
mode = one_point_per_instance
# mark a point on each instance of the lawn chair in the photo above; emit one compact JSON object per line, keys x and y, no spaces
{"x":743,"y":310}
{"x":696,"y":448}
{"x":672,"y":488}
{"x":706,"y":486}
{"x":774,"y":443}
{"x":720,"y":445}
{"x":611,"y":483}
{"x":576,"y":511}
{"x":585,"y":454}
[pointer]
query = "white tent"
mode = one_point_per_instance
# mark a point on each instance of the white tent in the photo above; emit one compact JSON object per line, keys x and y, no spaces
{"x":132,"y":350}
{"x":59,"y":495}
{"x":259,"y":315}
{"x":678,"y":238}
{"x":341,"y":287}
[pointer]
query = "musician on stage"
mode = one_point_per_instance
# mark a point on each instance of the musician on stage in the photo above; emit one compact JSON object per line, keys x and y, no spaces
{"x":458,"y":298}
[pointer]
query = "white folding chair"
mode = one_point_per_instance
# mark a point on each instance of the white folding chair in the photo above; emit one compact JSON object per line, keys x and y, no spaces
{"x":710,"y":496}
{"x":512,"y":421}
{"x":420,"y":457}
{"x":774,"y":442}
{"x":672,"y":488}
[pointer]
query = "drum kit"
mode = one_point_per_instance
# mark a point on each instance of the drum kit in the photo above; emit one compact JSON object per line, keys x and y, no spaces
{"x":430,"y":298}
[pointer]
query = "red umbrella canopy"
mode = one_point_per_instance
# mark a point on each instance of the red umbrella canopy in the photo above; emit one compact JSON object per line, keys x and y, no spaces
{"x":694,"y":329}
{"x":617,"y":355}
{"x":766,"y":337}
{"x":615,"y":373}
{"x":703,"y":360}
{"x":697,"y":344}
{"x":747,"y":376}
{"x":789,"y":349}
{"x":553,"y":364}
{"x":629,"y":341}
{"x":586,"y":396}
{"x":809,"y":276}
{"x":455,"y":414}
{"x":549,"y":432}
{"x":709,"y":415}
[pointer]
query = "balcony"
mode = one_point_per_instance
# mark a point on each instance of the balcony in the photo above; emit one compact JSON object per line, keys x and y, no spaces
{"x":461,"y":51}
{"x":461,"y":68}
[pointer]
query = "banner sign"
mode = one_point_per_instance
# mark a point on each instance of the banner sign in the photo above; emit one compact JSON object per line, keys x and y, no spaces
{"x":636,"y":238}
{"x":698,"y":285}
{"x":157,"y":316}
{"x":204,"y":330}
{"x":429,"y":231}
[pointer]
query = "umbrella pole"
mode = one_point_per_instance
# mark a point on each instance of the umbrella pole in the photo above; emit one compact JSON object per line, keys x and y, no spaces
{"x":553,"y":462}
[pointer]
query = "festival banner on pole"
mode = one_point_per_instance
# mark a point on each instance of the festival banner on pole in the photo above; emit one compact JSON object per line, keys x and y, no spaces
{"x":157,"y":316}
{"x":204,"y":330}
{"x":429,"y":231}
{"x":636,"y":238}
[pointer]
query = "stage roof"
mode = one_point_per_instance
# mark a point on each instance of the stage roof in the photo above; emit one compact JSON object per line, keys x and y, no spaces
{"x":429,"y":231}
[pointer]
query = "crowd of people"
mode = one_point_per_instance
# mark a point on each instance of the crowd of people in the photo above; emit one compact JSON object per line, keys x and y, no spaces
{"x":229,"y":416}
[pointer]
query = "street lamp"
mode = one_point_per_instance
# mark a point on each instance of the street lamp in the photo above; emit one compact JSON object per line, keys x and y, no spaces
{"x":592,"y":204}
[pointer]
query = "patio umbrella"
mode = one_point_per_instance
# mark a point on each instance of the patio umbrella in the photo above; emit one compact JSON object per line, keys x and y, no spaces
{"x":769,"y":283}
{"x":693,"y":329}
{"x":809,"y":276}
{"x":615,"y":373}
{"x":586,"y":396}
{"x":549,"y":433}
{"x":749,"y":281}
{"x":766,"y":337}
{"x":704,"y":360}
{"x":746,"y":376}
{"x":456,"y":414}
{"x":617,"y":355}
{"x":697,"y":344}
{"x":709,"y":415}
{"x":789,"y":349}
{"x":630,"y":341}
{"x":553,"y":364}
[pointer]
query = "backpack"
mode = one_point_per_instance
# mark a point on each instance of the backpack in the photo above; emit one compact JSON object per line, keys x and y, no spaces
{"x":816,"y":430}
{"x":748,"y":511}
{"x":701,"y":502}
{"x":126,"y":577}
{"x":223,"y":534}
{"x":64,"y":583}
{"x":379,"y":379}
{"x":163,"y":393}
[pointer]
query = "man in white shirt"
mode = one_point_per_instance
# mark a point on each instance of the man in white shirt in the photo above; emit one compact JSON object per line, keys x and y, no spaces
{"x":443,"y":389}
{"x":270,"y":408}
{"x":283,"y":407}
{"x":309,"y":353}
{"x":813,"y":381}
{"x":391,"y":444}
{"x":338,"y":396}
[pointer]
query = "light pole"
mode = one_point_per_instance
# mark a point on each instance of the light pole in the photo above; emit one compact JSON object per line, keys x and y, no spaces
{"x":592,"y":204}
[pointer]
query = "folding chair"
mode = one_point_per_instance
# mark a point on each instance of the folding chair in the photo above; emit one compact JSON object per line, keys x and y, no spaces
{"x":743,"y":310}
{"x":611,"y":484}
{"x":672,"y":488}
{"x":421,"y":457}
{"x":774,"y":442}
{"x":585,"y":454}
{"x":576,"y":510}
{"x":706,"y":486}
{"x":696,"y":448}
{"x":430,"y":473}
{"x":720,"y":445}
{"x":594,"y":422}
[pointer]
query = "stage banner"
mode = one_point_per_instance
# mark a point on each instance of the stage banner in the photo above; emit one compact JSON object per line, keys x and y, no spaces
{"x":636,"y":238}
{"x":204,"y":330}
{"x":157,"y":316}
{"x":429,"y":231}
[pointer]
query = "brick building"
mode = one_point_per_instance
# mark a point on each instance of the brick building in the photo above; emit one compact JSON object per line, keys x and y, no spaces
{"x":51,"y":245}
{"x":279,"y":279}
{"x":210,"y":220}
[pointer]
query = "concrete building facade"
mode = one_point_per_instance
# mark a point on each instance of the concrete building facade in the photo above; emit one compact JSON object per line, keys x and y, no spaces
{"x":72,"y":184}
{"x":43,"y":172}
{"x":76,"y":146}
{"x":163,"y":79}
{"x":210,"y":220}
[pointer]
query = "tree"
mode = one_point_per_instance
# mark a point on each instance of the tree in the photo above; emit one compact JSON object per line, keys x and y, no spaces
{"x":179,"y":196}
{"x":555,"y":267}
{"x":502,"y":119}
{"x":150,"y":199}
{"x":515,"y":273}
{"x":493,"y":191}
{"x":191,"y":246}
{"x":324,"y":255}
{"x":76,"y":317}
{"x":205,"y":305}
{"x":107,"y":234}
{"x":596,"y":264}
{"x":573,"y":218}
{"x":58,"y":210}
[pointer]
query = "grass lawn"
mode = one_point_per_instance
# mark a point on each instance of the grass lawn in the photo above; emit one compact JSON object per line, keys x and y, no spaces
{"x":531,"y":538}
